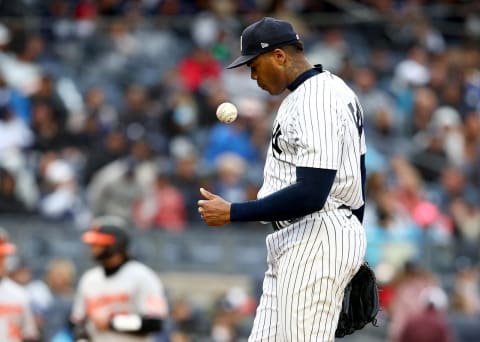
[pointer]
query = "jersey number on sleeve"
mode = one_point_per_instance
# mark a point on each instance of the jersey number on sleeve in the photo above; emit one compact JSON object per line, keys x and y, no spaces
{"x":356,"y":112}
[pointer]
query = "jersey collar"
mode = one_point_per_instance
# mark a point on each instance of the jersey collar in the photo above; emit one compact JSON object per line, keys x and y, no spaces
{"x":109,"y":271}
{"x":317,"y":69}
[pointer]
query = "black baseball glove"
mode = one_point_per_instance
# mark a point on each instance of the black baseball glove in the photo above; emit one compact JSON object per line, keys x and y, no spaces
{"x":360,"y":302}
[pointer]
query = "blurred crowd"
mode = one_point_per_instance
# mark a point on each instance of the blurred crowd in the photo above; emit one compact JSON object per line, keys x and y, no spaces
{"x":108,"y":107}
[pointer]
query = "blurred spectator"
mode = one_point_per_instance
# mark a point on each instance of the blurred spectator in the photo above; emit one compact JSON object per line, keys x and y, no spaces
{"x":48,"y":130}
{"x":410,"y":194}
{"x":163,"y":207}
{"x":13,"y":130}
{"x":371,"y":97}
{"x":10,"y":202}
{"x":452,"y":94}
{"x":383,"y":134}
{"x":465,"y":301}
{"x":431,"y":159}
{"x":120,"y":191}
{"x":139,"y":120}
{"x":96,"y":106}
{"x":393,"y":238}
{"x":187,"y":319}
{"x":413,"y":70}
{"x":60,"y":278}
{"x":18,"y":164}
{"x":20,"y":68}
{"x":471,"y":131}
{"x":330,"y":50}
{"x":429,"y":37}
{"x":431,"y":324}
{"x":135,"y":108}
{"x":446,"y":121}
{"x":48,"y":94}
{"x":235,"y":81}
{"x":466,"y":219}
{"x":60,"y":198}
{"x":376,"y":185}
{"x":5,"y":37}
{"x":19,"y":103}
{"x":183,"y":117}
{"x":117,"y":186}
{"x":233,"y":316}
{"x":208,"y":102}
{"x":237,"y":136}
{"x":407,"y":287}
{"x":230,"y":181}
{"x":466,"y":298}
{"x":425,"y":101}
{"x":471,"y":83}
{"x":454,"y":183}
{"x":112,"y":147}
{"x":198,"y":69}
{"x":187,"y":175}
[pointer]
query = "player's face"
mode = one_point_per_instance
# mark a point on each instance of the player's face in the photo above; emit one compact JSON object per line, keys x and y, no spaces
{"x":267,"y":69}
{"x":97,"y":251}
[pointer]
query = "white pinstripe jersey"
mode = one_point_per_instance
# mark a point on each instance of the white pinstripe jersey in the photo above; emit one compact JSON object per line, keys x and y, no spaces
{"x":16,"y":319}
{"x":318,"y":125}
{"x":134,"y":289}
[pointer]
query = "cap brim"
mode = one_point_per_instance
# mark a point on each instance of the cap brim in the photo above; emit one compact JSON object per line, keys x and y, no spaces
{"x":241,"y":61}
{"x":98,"y":238}
{"x":7,"y":248}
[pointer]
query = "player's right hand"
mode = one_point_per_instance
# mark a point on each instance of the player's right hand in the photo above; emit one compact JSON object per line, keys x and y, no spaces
{"x":214,"y":210}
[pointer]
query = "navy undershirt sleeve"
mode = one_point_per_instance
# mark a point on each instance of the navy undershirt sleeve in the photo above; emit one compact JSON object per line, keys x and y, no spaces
{"x":360,"y":211}
{"x":304,"y":197}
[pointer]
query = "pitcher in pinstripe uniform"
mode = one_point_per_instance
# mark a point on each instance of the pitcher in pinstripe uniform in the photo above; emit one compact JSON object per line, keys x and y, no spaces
{"x":313,"y":189}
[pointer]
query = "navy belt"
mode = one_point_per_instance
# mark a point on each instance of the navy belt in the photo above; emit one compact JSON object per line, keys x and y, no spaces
{"x":277,"y":225}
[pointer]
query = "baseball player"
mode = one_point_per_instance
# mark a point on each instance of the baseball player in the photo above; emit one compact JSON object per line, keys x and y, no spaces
{"x":312,"y":193}
{"x":16,"y":319}
{"x":121,"y":300}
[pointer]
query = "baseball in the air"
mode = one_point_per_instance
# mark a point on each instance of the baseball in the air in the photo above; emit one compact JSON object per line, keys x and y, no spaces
{"x":227,"y":112}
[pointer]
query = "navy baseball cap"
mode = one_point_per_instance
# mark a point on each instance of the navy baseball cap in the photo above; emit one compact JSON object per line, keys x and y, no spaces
{"x":262,"y":36}
{"x":107,"y":231}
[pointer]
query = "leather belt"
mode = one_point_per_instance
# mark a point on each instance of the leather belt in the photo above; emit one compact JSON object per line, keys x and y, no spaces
{"x":277,"y":225}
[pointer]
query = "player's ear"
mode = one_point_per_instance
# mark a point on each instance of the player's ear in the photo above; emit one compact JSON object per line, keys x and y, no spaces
{"x":279,"y":56}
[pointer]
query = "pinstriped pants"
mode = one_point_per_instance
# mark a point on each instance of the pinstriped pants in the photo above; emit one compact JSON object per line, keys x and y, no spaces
{"x":310,"y":263}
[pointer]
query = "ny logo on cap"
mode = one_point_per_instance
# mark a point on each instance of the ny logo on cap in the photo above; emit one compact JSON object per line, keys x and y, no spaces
{"x":264,"y":45}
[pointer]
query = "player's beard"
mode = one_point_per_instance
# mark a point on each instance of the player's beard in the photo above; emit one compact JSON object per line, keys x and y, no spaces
{"x":105,"y":254}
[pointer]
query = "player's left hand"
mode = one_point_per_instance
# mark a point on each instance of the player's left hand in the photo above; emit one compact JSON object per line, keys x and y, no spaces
{"x":100,"y":319}
{"x":215,"y":211}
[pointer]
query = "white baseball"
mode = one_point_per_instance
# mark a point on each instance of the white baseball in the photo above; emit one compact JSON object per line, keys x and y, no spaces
{"x":227,"y":112}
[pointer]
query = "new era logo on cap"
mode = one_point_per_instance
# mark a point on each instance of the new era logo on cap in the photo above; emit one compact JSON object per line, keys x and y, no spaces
{"x":263,"y":36}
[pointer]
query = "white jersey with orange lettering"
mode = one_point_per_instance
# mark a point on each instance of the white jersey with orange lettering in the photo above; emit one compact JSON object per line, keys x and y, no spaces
{"x":133,"y":289}
{"x":311,"y":259}
{"x":16,"y":319}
